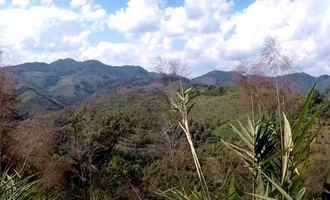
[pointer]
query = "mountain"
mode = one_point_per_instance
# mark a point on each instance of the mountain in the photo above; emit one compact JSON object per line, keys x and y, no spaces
{"x":300,"y":81}
{"x":69,"y":78}
{"x":219,"y":78}
{"x":66,"y":82}
{"x":34,"y":102}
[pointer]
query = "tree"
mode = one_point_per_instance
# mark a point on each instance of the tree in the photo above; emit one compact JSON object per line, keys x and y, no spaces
{"x":114,"y":126}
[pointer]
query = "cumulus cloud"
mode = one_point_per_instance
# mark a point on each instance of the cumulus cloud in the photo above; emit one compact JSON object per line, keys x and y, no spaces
{"x":77,"y":3}
{"x":93,"y":13}
{"x":139,"y":15}
{"x":215,"y":35}
{"x":158,"y":28}
{"x":46,"y":2}
{"x":21,"y":3}
{"x":44,"y":32}
{"x":300,"y":26}
{"x":114,"y":53}
{"x":207,"y":34}
{"x":19,"y":25}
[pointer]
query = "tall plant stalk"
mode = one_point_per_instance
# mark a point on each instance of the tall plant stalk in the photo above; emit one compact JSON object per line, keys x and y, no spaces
{"x":181,"y":102}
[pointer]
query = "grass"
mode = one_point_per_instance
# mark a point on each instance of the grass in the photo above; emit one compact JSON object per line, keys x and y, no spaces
{"x":14,"y":187}
{"x":216,"y":109}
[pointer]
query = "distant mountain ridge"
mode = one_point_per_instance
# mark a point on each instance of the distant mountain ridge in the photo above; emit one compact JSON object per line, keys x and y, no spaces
{"x":67,"y":82}
{"x":302,"y":81}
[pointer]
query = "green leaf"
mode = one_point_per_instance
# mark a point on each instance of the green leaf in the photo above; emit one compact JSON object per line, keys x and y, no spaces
{"x":304,"y":112}
{"x":261,"y":196}
{"x":279,"y":188}
{"x":246,"y":139}
{"x":244,"y":154}
{"x":300,"y":195}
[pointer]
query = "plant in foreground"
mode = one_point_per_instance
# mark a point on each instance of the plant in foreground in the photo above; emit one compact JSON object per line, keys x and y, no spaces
{"x":13,"y":187}
{"x":181,"y":103}
{"x":277,"y":158}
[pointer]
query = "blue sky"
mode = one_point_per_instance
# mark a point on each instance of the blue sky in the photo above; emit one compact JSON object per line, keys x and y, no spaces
{"x":205,"y":34}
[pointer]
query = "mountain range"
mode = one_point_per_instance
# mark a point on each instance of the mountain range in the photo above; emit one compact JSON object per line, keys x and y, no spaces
{"x":302,"y":82}
{"x":66,"y":82}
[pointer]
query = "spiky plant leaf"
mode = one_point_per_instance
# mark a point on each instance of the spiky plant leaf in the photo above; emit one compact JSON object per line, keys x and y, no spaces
{"x":261,"y":196}
{"x":279,"y":188}
{"x":233,"y":190}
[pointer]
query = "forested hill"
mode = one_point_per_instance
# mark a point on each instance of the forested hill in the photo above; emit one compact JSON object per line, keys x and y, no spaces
{"x":301,"y":81}
{"x":66,"y":82}
{"x":69,"y":81}
{"x":89,"y":130}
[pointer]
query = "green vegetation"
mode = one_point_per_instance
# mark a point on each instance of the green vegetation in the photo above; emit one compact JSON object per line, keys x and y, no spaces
{"x":67,"y":82}
{"x":14,"y":187}
{"x":277,"y":158}
{"x":141,"y":138}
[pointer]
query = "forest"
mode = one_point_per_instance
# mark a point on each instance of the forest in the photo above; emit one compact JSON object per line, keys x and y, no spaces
{"x":166,"y":137}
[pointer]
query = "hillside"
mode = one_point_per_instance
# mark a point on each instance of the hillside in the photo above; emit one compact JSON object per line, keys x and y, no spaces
{"x":301,"y":81}
{"x":66,"y":82}
{"x":136,"y":138}
{"x":218,"y":78}
{"x":69,"y":81}
{"x":34,"y":102}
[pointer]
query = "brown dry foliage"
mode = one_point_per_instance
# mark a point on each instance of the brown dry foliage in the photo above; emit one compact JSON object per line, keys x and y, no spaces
{"x":258,"y":94}
{"x":261,"y":85}
{"x":30,"y":141}
{"x":7,"y":99}
{"x":29,"y":146}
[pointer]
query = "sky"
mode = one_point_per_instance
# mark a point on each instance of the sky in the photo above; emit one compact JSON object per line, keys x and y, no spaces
{"x":205,"y":34}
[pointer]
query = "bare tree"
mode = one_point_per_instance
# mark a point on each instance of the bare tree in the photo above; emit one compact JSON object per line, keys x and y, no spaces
{"x":173,"y":66}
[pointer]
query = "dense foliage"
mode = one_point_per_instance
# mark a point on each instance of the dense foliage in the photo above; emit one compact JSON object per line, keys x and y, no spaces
{"x":129,"y":144}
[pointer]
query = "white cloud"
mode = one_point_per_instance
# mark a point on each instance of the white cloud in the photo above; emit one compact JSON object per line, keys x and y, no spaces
{"x":206,"y":33}
{"x":139,"y":15}
{"x":78,"y":3}
{"x":21,"y":3}
{"x":174,"y":21}
{"x":195,"y":43}
{"x":158,"y":28}
{"x":18,"y":25}
{"x":114,"y":53}
{"x":42,"y":33}
{"x":213,"y":34}
{"x":47,"y":2}
{"x":300,"y":26}
{"x":76,"y":41}
{"x":93,"y":13}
